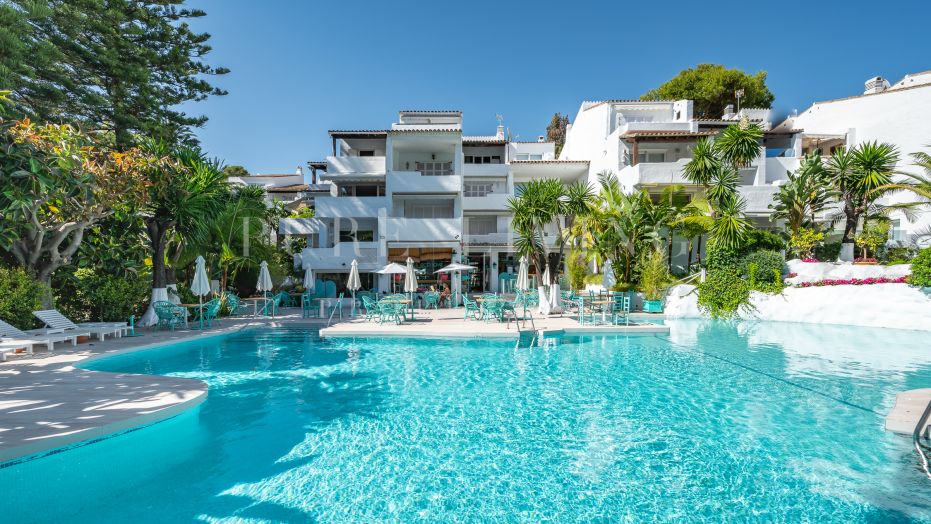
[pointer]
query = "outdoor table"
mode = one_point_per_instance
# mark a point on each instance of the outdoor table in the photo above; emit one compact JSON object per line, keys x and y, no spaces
{"x":193,"y":307}
{"x":255,"y":304}
{"x":604,"y":310}
{"x":404,"y":301}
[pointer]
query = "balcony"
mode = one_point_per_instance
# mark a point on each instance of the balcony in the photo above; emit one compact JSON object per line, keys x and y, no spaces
{"x":341,"y":256}
{"x":350,"y":207}
{"x":627,"y":126}
{"x":496,"y":170}
{"x":301,"y":226}
{"x":489,"y":202}
{"x":505,"y":239}
{"x":423,"y":229}
{"x":355,"y":165}
{"x":417,"y":182}
{"x":654,"y":173}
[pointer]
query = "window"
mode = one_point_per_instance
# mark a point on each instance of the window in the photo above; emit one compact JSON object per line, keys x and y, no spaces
{"x":478,"y":189}
{"x":360,"y":235}
{"x":366,"y":152}
{"x":475,"y":159}
{"x":896,"y":232}
{"x":647,"y":157}
{"x":678,"y":200}
{"x":529,"y":156}
{"x":482,"y":225}
{"x":368,"y":191}
{"x":428,"y":209}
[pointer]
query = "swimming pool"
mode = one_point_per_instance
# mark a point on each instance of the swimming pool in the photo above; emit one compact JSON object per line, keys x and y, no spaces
{"x":713,"y":422}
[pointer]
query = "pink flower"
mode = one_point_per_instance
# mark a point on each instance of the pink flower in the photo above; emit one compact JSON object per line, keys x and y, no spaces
{"x":810,"y":260}
{"x":854,"y":281}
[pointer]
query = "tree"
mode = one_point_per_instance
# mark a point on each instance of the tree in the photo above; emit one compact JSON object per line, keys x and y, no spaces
{"x":185,"y":191}
{"x":556,"y":131}
{"x":860,"y":177}
{"x":58,"y":183}
{"x":542,"y":203}
{"x":123,"y":66}
{"x":237,"y":171}
{"x":806,"y":194}
{"x":712,"y":87}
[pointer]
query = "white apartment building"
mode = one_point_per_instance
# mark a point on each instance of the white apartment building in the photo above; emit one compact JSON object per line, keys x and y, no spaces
{"x":647,"y":144}
{"x":899,"y":114}
{"x":422,"y":189}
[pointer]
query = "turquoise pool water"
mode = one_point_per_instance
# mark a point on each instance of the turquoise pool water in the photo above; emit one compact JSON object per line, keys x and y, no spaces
{"x":715,"y":422}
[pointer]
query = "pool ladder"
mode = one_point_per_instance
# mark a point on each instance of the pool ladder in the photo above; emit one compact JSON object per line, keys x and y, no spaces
{"x":921,"y":430}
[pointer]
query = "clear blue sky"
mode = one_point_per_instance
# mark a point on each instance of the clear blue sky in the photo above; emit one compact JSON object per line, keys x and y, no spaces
{"x":302,"y":67}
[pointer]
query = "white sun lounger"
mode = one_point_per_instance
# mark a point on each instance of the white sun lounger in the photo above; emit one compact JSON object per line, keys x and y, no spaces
{"x":56,"y":320}
{"x":46,"y":337}
{"x":10,"y":346}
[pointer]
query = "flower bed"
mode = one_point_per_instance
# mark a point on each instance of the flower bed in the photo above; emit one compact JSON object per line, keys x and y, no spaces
{"x":810,"y":260}
{"x":853,"y":282}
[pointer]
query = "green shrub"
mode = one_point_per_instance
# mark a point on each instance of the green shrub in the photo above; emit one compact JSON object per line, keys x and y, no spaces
{"x":20,"y":295}
{"x":723,"y":293}
{"x":895,"y":255}
{"x":874,"y":234}
{"x":804,"y":242}
{"x":762,"y":240}
{"x":577,"y":269}
{"x":768,"y":266}
{"x":594,"y":280}
{"x":718,"y":257}
{"x":654,"y":275}
{"x":921,"y":269}
{"x":86,"y":295}
{"x":828,"y":251}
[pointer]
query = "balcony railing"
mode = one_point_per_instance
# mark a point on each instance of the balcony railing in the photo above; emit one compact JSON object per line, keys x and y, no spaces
{"x":435,"y":168}
{"x":354,"y":165}
{"x":350,"y":207}
{"x":423,"y":229}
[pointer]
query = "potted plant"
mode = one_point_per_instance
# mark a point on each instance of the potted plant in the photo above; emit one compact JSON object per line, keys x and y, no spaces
{"x":654,"y":279}
{"x":874,"y":234}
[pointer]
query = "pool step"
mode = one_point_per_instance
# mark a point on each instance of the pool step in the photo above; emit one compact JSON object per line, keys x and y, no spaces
{"x":909,"y":406}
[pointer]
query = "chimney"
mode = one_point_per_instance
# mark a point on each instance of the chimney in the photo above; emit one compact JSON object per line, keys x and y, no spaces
{"x":499,"y":133}
{"x":728,"y":112}
{"x":300,"y":171}
{"x":541,"y":138}
{"x":877,"y":84}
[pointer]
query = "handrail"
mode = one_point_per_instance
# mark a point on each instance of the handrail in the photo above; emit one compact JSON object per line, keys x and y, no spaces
{"x":916,"y":439}
{"x":700,"y":275}
{"x":338,"y":305}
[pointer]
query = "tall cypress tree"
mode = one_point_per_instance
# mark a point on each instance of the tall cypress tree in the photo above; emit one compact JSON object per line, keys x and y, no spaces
{"x":118,"y":65}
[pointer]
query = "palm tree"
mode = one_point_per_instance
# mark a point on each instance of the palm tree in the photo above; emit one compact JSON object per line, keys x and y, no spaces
{"x":724,"y":220}
{"x":543,"y":203}
{"x":860,"y":177}
{"x":739,"y":145}
{"x":185,"y":191}
{"x":917,"y":183}
{"x":806,"y":194}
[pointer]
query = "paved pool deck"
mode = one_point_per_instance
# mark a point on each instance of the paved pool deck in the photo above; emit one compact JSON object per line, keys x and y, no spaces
{"x":47,"y":403}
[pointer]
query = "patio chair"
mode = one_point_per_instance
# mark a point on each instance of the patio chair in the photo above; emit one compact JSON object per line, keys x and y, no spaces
{"x":310,"y":306}
{"x":620,"y":308}
{"x":209,"y":311}
{"x":472,"y":309}
{"x":169,"y":315}
{"x":55,"y":320}
{"x":284,"y":299}
{"x":431,"y":299}
{"x":46,"y":337}
{"x":390,"y":310}
{"x":233,"y":303}
{"x":370,"y":306}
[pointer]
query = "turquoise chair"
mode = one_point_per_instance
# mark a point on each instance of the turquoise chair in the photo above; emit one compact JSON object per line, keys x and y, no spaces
{"x":620,"y":308}
{"x":169,"y":315}
{"x":389,"y":310}
{"x":209,"y":312}
{"x":310,"y":306}
{"x":431,"y":299}
{"x":370,"y":306}
{"x":472,"y":309}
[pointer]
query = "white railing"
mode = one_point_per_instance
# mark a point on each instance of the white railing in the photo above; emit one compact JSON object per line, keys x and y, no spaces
{"x":435,"y":168}
{"x":423,"y":229}
{"x":351,"y":207}
{"x":344,"y":165}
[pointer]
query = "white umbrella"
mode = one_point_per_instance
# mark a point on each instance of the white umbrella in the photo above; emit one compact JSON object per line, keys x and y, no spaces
{"x":608,"y":279}
{"x":265,"y":281}
{"x":457,"y":268}
{"x":410,"y":282}
{"x":308,"y":279}
{"x":523,"y":281}
{"x":392,"y":269}
{"x":354,"y":283}
{"x":541,"y":290}
{"x":200,"y":286}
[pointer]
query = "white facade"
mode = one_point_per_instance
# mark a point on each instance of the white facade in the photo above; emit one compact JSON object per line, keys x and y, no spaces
{"x":900,"y":115}
{"x":422,"y":189}
{"x":648,"y":143}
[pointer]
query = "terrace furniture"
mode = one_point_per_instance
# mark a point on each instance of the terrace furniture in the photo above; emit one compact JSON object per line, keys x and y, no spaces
{"x":370,"y":306}
{"x":431,"y":300}
{"x":169,"y":315}
{"x":12,"y":346}
{"x":233,"y":302}
{"x":271,"y":305}
{"x":309,"y":306}
{"x":209,"y":311}
{"x":55,"y":320}
{"x":391,"y":310}
{"x":620,"y":308}
{"x":472,"y":309}
{"x":46,"y":337}
{"x":284,"y":299}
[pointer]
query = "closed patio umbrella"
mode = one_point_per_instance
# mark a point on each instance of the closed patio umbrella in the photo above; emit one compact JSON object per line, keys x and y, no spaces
{"x":354,"y":283}
{"x":200,"y":286}
{"x":410,"y":282}
{"x":608,"y":280}
{"x":264,"y":283}
{"x":523,"y":281}
{"x":308,"y":279}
